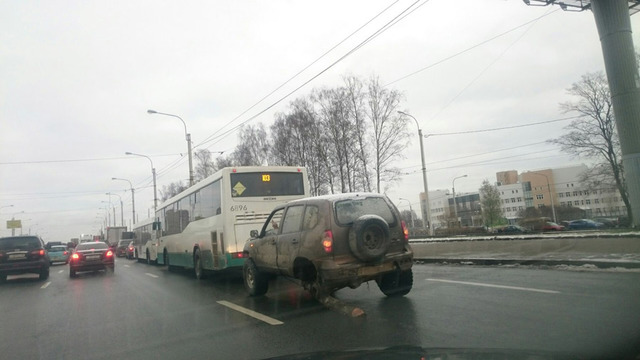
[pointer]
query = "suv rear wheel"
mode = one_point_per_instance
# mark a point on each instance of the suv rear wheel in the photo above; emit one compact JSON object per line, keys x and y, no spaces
{"x":255,"y":282}
{"x":397,"y":283}
{"x":44,"y":274}
{"x":369,"y":237}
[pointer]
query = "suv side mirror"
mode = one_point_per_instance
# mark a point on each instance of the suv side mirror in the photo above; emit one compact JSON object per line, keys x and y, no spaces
{"x":156,"y":225}
{"x":254,"y":234}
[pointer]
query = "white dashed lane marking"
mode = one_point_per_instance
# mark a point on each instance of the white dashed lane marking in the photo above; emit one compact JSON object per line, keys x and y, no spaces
{"x":253,"y":314}
{"x":45,"y":285}
{"x":496,"y":286}
{"x":152,"y":275}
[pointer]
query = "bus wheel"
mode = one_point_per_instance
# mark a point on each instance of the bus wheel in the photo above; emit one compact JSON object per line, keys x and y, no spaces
{"x":166,"y":261}
{"x":197,"y":265}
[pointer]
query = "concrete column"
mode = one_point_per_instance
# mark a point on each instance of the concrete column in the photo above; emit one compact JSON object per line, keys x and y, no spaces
{"x":614,"y":27}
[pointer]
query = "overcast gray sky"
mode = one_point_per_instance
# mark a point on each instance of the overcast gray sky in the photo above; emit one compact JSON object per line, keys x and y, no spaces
{"x":76,"y":79}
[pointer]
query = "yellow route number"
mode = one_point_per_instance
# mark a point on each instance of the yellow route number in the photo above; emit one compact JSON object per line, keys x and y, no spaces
{"x":266,"y":178}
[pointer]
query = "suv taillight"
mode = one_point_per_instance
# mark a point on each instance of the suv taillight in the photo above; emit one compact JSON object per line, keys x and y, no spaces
{"x":109,"y":253}
{"x":327,"y":241}
{"x":405,"y":231}
{"x":38,"y":252}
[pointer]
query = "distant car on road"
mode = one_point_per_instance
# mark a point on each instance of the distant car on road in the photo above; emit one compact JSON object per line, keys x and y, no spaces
{"x":121,"y":248}
{"x":59,"y":253}
{"x":130,"y":253}
{"x":551,"y":226}
{"x":92,"y":256}
{"x":607,"y":222}
{"x":511,"y":229}
{"x":584,"y":224}
{"x":23,"y":255}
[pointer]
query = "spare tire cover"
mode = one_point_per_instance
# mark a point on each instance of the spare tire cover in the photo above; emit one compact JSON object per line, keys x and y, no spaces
{"x":369,"y":237}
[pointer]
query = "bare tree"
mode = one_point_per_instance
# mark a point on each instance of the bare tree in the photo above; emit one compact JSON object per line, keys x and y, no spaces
{"x":253,"y":146}
{"x":389,"y":131}
{"x":594,"y":135}
{"x":337,"y":133}
{"x":171,"y":190}
{"x":491,"y":205}
{"x":296,"y":141}
{"x":204,"y":164}
{"x":355,"y":97}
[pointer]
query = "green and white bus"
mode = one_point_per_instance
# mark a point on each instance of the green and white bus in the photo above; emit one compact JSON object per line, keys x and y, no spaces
{"x":206,"y":226}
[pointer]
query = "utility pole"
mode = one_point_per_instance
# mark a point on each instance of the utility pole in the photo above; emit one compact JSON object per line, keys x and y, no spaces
{"x":613,"y":20}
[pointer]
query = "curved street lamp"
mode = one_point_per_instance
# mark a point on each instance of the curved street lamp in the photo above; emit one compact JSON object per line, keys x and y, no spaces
{"x":410,"y":211}
{"x":133,"y":197}
{"x":187,"y":136}
{"x":121,"y":210}
{"x":427,"y":216}
{"x":153,"y":172}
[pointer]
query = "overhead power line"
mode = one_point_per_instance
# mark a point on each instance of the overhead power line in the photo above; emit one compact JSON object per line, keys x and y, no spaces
{"x":468,"y":49}
{"x":299,"y":72}
{"x":357,"y":47}
{"x":501,"y":128}
{"x":72,"y":160}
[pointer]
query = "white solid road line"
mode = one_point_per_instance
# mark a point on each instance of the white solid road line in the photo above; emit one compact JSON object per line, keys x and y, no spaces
{"x":45,"y":285}
{"x":253,"y":314}
{"x":153,"y":276}
{"x":60,"y":272}
{"x":496,"y":286}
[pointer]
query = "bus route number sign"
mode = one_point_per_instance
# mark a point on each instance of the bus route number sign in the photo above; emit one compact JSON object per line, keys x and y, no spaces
{"x":266,"y":178}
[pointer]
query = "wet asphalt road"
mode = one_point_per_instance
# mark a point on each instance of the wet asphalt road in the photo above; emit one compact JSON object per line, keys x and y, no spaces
{"x":146,"y":312}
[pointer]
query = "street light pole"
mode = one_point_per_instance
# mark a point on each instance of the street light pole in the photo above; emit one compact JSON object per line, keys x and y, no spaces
{"x":187,"y":136}
{"x":133,"y":198}
{"x":427,"y":216}
{"x":455,"y":205}
{"x":121,"y":211}
{"x":410,"y":212}
{"x":153,"y":172}
{"x":553,"y":208}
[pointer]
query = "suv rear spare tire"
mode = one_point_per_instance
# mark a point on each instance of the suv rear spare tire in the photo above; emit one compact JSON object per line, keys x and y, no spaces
{"x":369,"y":237}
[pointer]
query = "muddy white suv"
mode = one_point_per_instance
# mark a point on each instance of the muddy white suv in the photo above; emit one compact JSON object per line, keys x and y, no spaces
{"x":331,"y":242}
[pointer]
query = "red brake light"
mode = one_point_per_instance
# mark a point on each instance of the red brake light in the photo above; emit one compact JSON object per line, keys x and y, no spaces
{"x":405,"y":231}
{"x":109,"y":253}
{"x":237,"y":255}
{"x":75,"y":256}
{"x":38,"y":252}
{"x":65,"y":253}
{"x":327,"y":241}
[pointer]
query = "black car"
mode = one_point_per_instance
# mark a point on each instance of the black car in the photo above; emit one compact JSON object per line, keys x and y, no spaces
{"x":23,"y":255}
{"x":121,"y":248}
{"x":91,"y":256}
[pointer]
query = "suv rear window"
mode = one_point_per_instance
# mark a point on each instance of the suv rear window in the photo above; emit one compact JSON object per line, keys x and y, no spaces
{"x":92,"y":245}
{"x":348,"y":211}
{"x":22,"y":243}
{"x":58,"y":248}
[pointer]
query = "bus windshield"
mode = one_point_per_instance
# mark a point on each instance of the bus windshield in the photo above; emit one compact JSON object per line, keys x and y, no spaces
{"x":266,"y":184}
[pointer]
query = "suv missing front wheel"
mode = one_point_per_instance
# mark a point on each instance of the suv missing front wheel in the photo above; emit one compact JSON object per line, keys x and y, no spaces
{"x":331,"y":242}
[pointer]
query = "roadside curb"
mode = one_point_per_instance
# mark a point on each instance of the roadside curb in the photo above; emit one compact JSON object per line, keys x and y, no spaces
{"x":545,"y":262}
{"x":583,"y":235}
